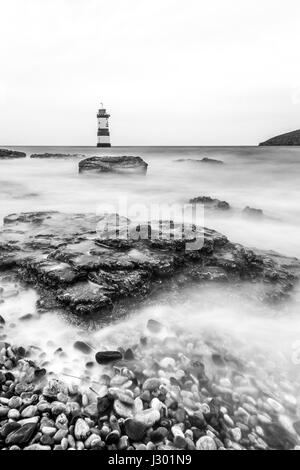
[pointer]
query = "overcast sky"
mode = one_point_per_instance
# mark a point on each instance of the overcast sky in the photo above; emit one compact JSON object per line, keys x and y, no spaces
{"x":170,"y":72}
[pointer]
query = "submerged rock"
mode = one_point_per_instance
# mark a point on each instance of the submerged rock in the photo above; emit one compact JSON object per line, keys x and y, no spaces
{"x":212,"y":161}
{"x":6,"y":153}
{"x":125,"y":164}
{"x":82,"y":347}
{"x":253,"y":212}
{"x":211,"y":203}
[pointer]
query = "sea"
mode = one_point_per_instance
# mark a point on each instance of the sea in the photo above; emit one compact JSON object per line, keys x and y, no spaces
{"x":266,"y":178}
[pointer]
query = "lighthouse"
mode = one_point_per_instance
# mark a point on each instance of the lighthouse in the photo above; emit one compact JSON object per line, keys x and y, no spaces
{"x":103,"y":137}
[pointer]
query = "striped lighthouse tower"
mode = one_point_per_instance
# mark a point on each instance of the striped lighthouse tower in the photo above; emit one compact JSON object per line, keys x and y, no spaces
{"x":103,"y":137}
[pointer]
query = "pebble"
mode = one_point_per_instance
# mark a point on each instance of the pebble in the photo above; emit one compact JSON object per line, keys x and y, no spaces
{"x":135,"y":429}
{"x":29,"y":412}
{"x":106,"y":357}
{"x":81,"y":430}
{"x":148,"y":417}
{"x":151,"y":384}
{"x":206,"y":443}
{"x":13,"y":414}
{"x":123,"y":410}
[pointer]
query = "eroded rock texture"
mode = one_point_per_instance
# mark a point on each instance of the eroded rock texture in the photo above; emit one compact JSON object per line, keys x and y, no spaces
{"x":82,"y":263}
{"x":124,"y":164}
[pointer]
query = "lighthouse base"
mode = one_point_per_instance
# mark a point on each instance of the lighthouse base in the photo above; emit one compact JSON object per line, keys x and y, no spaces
{"x":103,"y":145}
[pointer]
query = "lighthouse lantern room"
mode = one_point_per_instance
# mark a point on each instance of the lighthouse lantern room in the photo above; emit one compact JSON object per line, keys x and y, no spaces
{"x":103,"y":136}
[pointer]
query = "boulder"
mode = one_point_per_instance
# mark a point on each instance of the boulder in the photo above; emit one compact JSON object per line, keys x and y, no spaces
{"x":125,"y":164}
{"x":210,"y":203}
{"x":6,"y":153}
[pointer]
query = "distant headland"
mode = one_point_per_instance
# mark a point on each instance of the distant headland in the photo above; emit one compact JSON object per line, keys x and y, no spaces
{"x":291,"y":138}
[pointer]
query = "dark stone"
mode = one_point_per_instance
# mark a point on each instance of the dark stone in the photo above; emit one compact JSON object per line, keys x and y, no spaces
{"x":104,"y":404}
{"x":82,"y":347}
{"x":26,"y":317}
{"x":106,"y":357}
{"x":2,"y":321}
{"x":22,"y":435}
{"x":113,"y":437}
{"x":128,"y":355}
{"x":218,"y":360}
{"x":158,"y":435}
{"x":40,"y":373}
{"x":297,"y":427}
{"x":134,"y":429}
{"x":278,"y":438}
{"x":154,"y":326}
{"x":47,"y":440}
{"x":9,"y":428}
{"x":5,"y":153}
{"x":210,"y":203}
{"x":125,"y":164}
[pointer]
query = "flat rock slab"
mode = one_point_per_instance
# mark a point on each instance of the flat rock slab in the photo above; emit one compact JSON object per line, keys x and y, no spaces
{"x":6,"y":153}
{"x":124,"y":164}
{"x":56,"y":155}
{"x":78,"y":263}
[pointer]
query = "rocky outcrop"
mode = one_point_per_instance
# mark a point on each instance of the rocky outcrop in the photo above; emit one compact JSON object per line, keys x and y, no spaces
{"x":203,"y":160}
{"x":210,"y":203}
{"x":291,"y":138}
{"x":55,"y":155}
{"x":5,"y":153}
{"x":81,"y":263}
{"x":125,"y":164}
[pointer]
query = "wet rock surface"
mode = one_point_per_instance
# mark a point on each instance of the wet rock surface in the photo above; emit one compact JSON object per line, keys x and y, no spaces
{"x":55,"y":155}
{"x":124,"y":164}
{"x":6,"y":153}
{"x":77,"y":263}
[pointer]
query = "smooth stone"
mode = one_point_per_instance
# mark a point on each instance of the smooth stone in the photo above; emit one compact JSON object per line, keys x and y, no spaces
{"x":123,"y":410}
{"x":206,"y":443}
{"x":81,"y":430}
{"x":154,"y":326}
{"x":148,"y":417}
{"x":13,"y":414}
{"x":48,"y":431}
{"x":82,"y":347}
{"x":21,"y":435}
{"x":29,"y":412}
{"x":151,"y":384}
{"x":134,"y":429}
{"x":106,"y":357}
{"x":113,"y":437}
